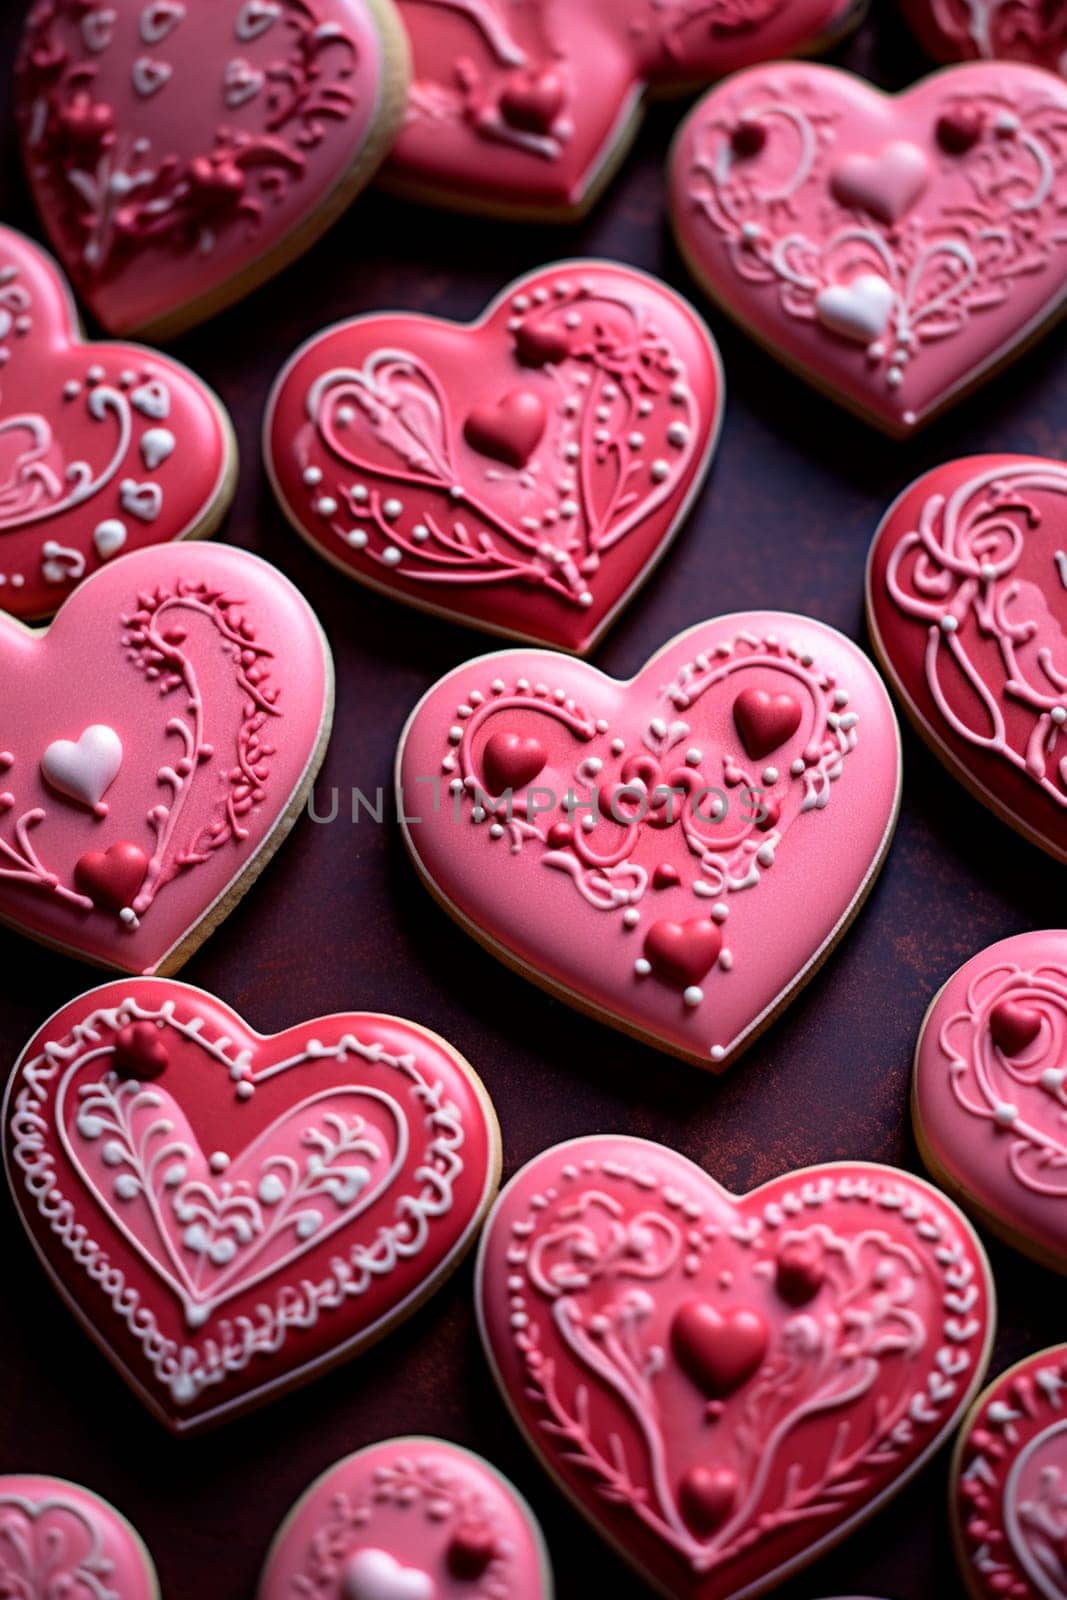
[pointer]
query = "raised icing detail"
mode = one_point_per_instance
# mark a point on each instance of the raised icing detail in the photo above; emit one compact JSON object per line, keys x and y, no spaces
{"x":57,"y":1539}
{"x":523,"y":473}
{"x":714,"y":1431}
{"x":1009,"y":1491}
{"x":993,"y":30}
{"x":348,"y":1162}
{"x":892,"y":249}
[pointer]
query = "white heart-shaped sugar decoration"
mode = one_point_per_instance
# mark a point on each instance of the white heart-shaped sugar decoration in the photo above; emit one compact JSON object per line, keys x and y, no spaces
{"x":143,"y":500}
{"x":109,"y":537}
{"x":152,"y":399}
{"x":159,"y":18}
{"x":84,"y":769}
{"x":857,"y":310}
{"x":241,"y":83}
{"x":156,"y":445}
{"x":376,"y":1575}
{"x":254,"y":18}
{"x":97,"y":30}
{"x":149,"y":75}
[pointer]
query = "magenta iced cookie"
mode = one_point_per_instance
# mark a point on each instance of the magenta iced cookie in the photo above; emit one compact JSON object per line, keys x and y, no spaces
{"x":409,"y":1519}
{"x":989,"y":1095}
{"x":180,"y":153}
{"x":893,"y":249}
{"x":1001,"y":30}
{"x":58,"y":1539}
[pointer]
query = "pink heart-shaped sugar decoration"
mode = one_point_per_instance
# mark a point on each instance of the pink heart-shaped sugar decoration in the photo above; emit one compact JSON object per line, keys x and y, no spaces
{"x":508,"y":430}
{"x":706,"y":1497}
{"x":531,"y":102}
{"x":719,"y":1352}
{"x":887,"y":183}
{"x":765,"y":721}
{"x":511,"y":761}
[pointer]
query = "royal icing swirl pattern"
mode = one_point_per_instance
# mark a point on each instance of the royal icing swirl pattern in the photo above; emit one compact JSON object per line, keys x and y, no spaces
{"x":895,"y":249}
{"x":60,"y":1542}
{"x":408,"y":1519}
{"x":613,"y":836}
{"x":523,"y":473}
{"x":1005,"y":30}
{"x":967,"y":597}
{"x":526,"y":104}
{"x":172,"y":148}
{"x":992,"y":1052}
{"x":721,"y":1384}
{"x":1009,"y":1496}
{"x":103,"y":448}
{"x":212,"y":1275}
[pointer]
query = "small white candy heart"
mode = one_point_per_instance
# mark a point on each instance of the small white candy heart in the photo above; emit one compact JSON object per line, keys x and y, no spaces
{"x":109,"y":537}
{"x":143,"y":500}
{"x":156,"y":445}
{"x":152,"y":399}
{"x":241,"y":83}
{"x":376,"y":1575}
{"x":149,"y":75}
{"x":159,"y":18}
{"x":254,"y":18}
{"x":85,"y":769}
{"x":857,"y":310}
{"x":97,"y":30}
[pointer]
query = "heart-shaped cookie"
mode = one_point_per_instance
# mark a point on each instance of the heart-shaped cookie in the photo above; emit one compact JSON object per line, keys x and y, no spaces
{"x":602,"y":1248}
{"x":989,"y":1095}
{"x":180,"y":154}
{"x":892,"y":250}
{"x":523,"y":473}
{"x":60,"y":1539}
{"x":528,"y":109}
{"x":229,"y":1214}
{"x":994,"y":30}
{"x":638,"y":872}
{"x":161,"y":736}
{"x":1008,"y":1498}
{"x":409,"y":1519}
{"x":103,"y":447}
{"x":967,"y":606}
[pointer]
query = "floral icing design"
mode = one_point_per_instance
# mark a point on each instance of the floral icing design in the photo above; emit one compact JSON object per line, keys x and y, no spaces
{"x":720,"y":1382}
{"x":1009,"y":30}
{"x":1010,"y":1484}
{"x":58,"y":1542}
{"x":216,"y":1227}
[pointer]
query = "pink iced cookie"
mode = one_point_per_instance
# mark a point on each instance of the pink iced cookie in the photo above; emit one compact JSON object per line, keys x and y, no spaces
{"x":726,"y":1385}
{"x":1004,"y":30}
{"x":161,"y":737}
{"x":103,"y":447}
{"x":989,"y":1102}
{"x":409,"y":1519}
{"x":180,"y":153}
{"x":58,"y":1539}
{"x":523,"y":473}
{"x":229,"y":1214}
{"x":1009,"y":1484}
{"x":526,"y":107}
{"x":631,"y":845}
{"x":967,"y":606}
{"x":893,"y":250}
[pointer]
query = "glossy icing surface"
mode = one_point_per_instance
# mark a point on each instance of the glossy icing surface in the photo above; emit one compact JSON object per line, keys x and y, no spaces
{"x":989,"y":1095}
{"x":170,"y":146}
{"x":104,"y":448}
{"x":1009,"y":1489}
{"x":676,"y":851}
{"x":525,"y":103}
{"x":229,"y":1213}
{"x":181,"y":697}
{"x":522,"y":473}
{"x":967,"y":600}
{"x":723,"y":1384}
{"x":409,"y":1519}
{"x":893,"y":249}
{"x":1005,"y":30}
{"x":58,"y":1540}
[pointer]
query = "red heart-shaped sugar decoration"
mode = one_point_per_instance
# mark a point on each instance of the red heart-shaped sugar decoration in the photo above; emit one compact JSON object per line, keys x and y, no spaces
{"x":104,"y":448}
{"x":720,"y":1352}
{"x":765,"y":721}
{"x":510,"y":429}
{"x":407,"y":449}
{"x":512,"y":111}
{"x":113,"y":876}
{"x":630,"y":1310}
{"x":472,"y":1547}
{"x":181,"y":154}
{"x":914,"y":216}
{"x":1014,"y":1027}
{"x":511,"y":761}
{"x":682,"y":953}
{"x":959,"y":546}
{"x":267,"y":1205}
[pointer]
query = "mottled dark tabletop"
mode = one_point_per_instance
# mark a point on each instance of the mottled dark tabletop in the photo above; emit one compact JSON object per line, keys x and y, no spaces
{"x":339,"y":921}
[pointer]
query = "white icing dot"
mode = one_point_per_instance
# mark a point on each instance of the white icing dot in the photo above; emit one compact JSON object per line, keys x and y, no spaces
{"x":1052,"y":1078}
{"x":693,"y":995}
{"x":636,"y":441}
{"x":112,"y":1154}
{"x":585,"y":598}
{"x":357,"y":538}
{"x":765,"y":855}
{"x":312,"y":476}
{"x":726,"y":960}
{"x":770,"y":775}
{"x":987,"y":571}
{"x":358,"y":492}
{"x":126,"y":1186}
{"x":694,"y":757}
{"x":840,"y":697}
{"x":797,"y":766}
{"x":420,"y":533}
{"x":678,"y":435}
{"x":1005,"y":1113}
{"x":642,"y":967}
{"x":346,"y":415}
{"x":588,"y":824}
{"x":949,"y":624}
{"x":569,"y":508}
{"x":392,"y":509}
{"x":618,"y":746}
{"x":717,"y":1052}
{"x":326,"y":506}
{"x":660,"y":471}
{"x":720,"y":911}
{"x":631,"y":917}
{"x":391,"y":556}
{"x":271,"y":1189}
{"x":219,"y":1161}
{"x":1059,"y":715}
{"x":496,"y":831}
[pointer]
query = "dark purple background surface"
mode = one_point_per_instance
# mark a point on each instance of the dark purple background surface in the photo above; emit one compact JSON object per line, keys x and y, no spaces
{"x":338,"y":921}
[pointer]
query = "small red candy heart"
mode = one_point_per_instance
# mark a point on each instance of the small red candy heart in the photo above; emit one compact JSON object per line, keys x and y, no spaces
{"x":509,"y":430}
{"x":113,"y":876}
{"x":532,"y":101}
{"x":707,"y":1496}
{"x":1014,"y":1027}
{"x":765,"y":721}
{"x":665,"y":876}
{"x":681,"y":953}
{"x":140,"y":1051}
{"x":959,"y":129}
{"x":511,"y":761}
{"x":748,"y":138}
{"x":472,"y":1548}
{"x":541,"y":345}
{"x":800,"y":1273}
{"x":718,"y":1350}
